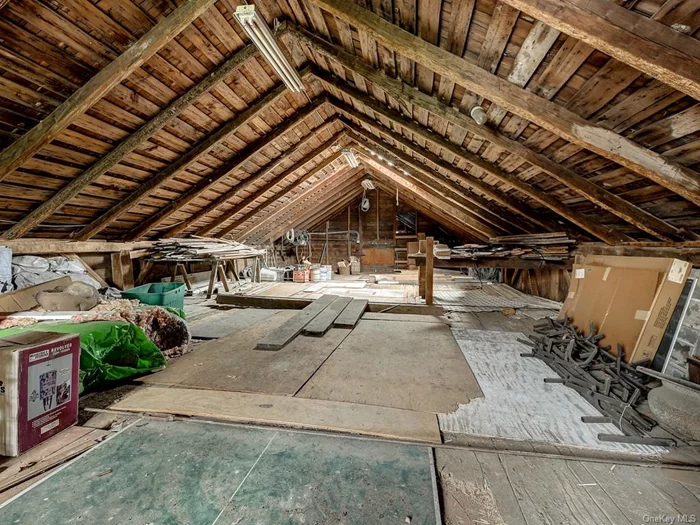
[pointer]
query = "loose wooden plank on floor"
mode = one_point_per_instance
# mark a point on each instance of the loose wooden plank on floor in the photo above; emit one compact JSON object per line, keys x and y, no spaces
{"x":285,"y":411}
{"x":349,"y":317}
{"x":292,"y":328}
{"x":414,"y":366}
{"x":323,"y":321}
{"x":42,"y":459}
{"x":297,"y":303}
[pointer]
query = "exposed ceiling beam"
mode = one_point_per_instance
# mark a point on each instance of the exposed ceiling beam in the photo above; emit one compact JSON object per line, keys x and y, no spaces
{"x":270,"y":185}
{"x":598,"y":230}
{"x":246,"y":183}
{"x":407,"y":96}
{"x":183,"y":162}
{"x":74,"y":187}
{"x":498,"y":195}
{"x":148,"y":45}
{"x":432,"y":213}
{"x":646,"y":45}
{"x":257,"y":209}
{"x":469,"y":224}
{"x":312,"y":207}
{"x":546,"y":114}
{"x":225,"y":171}
{"x":325,"y":188}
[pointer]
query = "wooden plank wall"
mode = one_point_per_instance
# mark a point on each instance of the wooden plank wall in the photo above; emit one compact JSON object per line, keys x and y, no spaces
{"x":550,"y":283}
{"x":377,"y":237}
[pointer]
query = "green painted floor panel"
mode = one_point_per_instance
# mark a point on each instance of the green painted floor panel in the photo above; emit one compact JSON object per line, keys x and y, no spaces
{"x":198,"y":473}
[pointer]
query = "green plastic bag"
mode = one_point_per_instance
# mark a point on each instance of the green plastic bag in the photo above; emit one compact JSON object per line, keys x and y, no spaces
{"x":109,"y":350}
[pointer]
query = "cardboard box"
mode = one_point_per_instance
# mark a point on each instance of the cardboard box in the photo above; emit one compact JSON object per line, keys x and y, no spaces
{"x":23,"y":300}
{"x":629,"y":299}
{"x":38,"y":388}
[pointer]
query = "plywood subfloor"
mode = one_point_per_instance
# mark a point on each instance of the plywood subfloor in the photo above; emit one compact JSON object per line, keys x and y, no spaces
{"x":227,"y":322}
{"x":518,"y":404}
{"x":285,"y":411}
{"x":200,"y":473}
{"x":498,"y":489}
{"x":233,"y":364}
{"x":400,"y":364}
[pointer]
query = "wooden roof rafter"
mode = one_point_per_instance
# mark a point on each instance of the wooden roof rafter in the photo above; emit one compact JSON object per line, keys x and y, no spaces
{"x":227,"y":170}
{"x":314,"y":208}
{"x":471,"y":224}
{"x":327,"y":187}
{"x":268,"y":201}
{"x":552,"y":117}
{"x":246,"y":183}
{"x":147,"y":46}
{"x":659,"y":51}
{"x":372,"y":88}
{"x":400,"y":92}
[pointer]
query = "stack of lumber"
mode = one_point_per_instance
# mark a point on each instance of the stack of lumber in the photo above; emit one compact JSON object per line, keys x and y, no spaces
{"x":202,"y":248}
{"x":316,"y":319}
{"x":541,"y":246}
{"x":441,"y":250}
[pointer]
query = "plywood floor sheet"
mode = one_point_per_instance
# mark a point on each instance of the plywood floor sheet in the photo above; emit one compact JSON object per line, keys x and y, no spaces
{"x":210,"y":474}
{"x":226,"y":322}
{"x":400,"y":364}
{"x":233,"y":364}
{"x":286,"y":411}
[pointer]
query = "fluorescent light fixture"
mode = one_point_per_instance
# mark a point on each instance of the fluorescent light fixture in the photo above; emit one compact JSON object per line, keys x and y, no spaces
{"x":351,"y":158}
{"x":256,"y":28}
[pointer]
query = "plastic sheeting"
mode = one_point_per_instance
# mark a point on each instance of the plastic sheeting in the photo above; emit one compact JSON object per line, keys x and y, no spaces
{"x":109,"y":350}
{"x":30,"y":270}
{"x":6,"y":270}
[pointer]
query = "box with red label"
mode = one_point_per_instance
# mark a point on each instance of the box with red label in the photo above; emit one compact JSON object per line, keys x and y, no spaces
{"x":38,"y":388}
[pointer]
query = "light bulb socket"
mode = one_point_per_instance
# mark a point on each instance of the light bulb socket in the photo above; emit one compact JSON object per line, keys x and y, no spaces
{"x":479,"y":115}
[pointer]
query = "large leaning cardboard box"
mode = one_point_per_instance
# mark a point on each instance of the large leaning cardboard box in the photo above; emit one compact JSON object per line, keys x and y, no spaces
{"x":38,"y":388}
{"x":629,"y":299}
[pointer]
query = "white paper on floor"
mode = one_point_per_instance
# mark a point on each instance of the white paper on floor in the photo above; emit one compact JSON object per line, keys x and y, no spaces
{"x":316,"y":287}
{"x":518,"y":404}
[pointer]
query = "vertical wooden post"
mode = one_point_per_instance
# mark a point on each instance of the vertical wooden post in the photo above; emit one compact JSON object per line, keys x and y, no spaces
{"x":377,"y":214}
{"x":349,"y":249}
{"x":145,"y":271}
{"x":421,"y":268}
{"x":429,"y":270}
{"x":122,"y":270}
{"x":328,"y":247}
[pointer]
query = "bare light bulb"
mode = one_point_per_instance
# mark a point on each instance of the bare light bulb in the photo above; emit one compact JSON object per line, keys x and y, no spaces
{"x":479,"y":115}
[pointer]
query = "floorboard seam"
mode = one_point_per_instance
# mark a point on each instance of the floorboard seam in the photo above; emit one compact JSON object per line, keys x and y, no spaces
{"x":245,"y":478}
